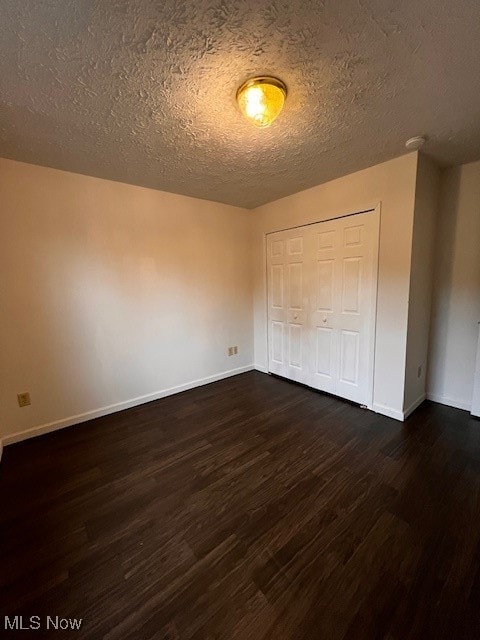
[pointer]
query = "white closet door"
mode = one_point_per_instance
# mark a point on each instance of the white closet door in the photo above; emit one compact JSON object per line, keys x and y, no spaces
{"x":354,"y":287}
{"x":323,"y":307}
{"x":287,"y":305}
{"x":329,"y":317}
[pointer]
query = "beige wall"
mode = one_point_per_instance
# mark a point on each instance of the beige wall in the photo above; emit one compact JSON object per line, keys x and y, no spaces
{"x":456,"y":302}
{"x":421,"y":279}
{"x":111,"y":292}
{"x":393,"y":185}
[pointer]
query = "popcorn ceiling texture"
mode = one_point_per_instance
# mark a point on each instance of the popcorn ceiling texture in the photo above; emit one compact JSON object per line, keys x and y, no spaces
{"x":143,"y":91}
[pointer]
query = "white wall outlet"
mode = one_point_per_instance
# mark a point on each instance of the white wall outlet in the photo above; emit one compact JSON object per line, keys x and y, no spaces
{"x":419,"y":371}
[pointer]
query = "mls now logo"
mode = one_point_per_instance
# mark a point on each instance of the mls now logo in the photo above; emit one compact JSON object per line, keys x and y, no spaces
{"x":19,"y":623}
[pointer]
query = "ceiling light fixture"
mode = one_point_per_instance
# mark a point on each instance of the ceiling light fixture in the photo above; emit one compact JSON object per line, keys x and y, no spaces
{"x":261,"y":99}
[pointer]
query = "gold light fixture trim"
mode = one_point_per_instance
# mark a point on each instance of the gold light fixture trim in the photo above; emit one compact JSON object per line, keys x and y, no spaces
{"x":261,"y":99}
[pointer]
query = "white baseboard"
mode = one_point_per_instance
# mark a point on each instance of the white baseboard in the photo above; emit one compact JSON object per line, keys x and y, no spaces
{"x":119,"y":406}
{"x":389,"y":412}
{"x":414,"y":405}
{"x":450,"y":402}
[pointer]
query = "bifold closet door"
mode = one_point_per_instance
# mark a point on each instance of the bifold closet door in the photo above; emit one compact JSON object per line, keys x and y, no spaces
{"x":288,"y":305}
{"x":321,"y":301}
{"x":342,"y":302}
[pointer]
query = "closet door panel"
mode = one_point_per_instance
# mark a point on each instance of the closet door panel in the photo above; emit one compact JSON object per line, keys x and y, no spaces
{"x":322,"y":290}
{"x":287,"y":305}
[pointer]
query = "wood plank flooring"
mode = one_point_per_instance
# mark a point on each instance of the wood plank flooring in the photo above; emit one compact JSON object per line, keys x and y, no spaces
{"x":250,"y":508}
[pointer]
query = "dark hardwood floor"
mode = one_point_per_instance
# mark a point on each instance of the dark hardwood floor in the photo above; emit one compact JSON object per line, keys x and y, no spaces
{"x":253,"y":509}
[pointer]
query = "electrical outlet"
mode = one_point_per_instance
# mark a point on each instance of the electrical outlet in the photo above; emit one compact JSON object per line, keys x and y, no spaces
{"x":419,"y":371}
{"x":23,"y":399}
{"x":232,"y":351}
{"x":235,"y":350}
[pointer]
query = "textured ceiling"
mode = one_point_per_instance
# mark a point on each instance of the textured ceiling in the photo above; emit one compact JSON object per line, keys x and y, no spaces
{"x":143,"y":91}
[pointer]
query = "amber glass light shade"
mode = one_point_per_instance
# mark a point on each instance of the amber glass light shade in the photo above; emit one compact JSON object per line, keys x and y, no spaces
{"x":261,"y":99}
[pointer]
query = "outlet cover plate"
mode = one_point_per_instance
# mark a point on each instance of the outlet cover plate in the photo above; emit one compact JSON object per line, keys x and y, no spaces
{"x":23,"y":399}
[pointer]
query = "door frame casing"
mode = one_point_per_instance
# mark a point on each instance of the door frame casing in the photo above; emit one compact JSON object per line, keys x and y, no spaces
{"x":375,"y":211}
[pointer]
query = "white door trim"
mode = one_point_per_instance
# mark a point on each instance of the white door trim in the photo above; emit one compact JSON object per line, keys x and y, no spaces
{"x":375,"y":210}
{"x":373,"y":327}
